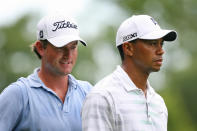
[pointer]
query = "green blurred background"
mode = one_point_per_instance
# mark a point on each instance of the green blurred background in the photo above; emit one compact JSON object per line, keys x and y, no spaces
{"x":99,"y":21}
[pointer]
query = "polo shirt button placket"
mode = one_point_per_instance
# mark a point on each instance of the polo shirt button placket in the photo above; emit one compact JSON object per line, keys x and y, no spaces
{"x":148,"y":114}
{"x":60,"y":105}
{"x":140,"y":92}
{"x":149,"y":118}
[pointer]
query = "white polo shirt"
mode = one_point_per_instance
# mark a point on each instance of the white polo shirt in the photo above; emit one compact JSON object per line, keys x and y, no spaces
{"x":116,"y":104}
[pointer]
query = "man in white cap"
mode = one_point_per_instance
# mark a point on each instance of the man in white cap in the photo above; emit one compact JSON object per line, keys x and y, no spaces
{"x":124,"y":100}
{"x":50,"y":99}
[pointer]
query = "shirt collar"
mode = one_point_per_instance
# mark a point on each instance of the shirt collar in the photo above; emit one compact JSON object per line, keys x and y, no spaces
{"x":37,"y":82}
{"x":34,"y":79}
{"x":150,"y":90}
{"x":72,"y":81}
{"x":124,"y":79}
{"x":128,"y":83}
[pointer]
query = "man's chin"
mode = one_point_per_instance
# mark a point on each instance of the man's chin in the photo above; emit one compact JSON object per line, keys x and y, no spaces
{"x":156,"y":70}
{"x":64,"y":73}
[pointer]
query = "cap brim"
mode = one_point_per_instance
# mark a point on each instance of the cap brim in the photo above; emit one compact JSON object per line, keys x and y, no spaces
{"x":64,"y":40}
{"x":167,"y":35}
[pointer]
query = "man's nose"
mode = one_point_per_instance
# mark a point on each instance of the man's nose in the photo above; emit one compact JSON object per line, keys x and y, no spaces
{"x":160,"y":50}
{"x":67,"y":52}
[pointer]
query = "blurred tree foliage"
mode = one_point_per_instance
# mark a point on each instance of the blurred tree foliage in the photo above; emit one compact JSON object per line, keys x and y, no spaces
{"x":16,"y":59}
{"x":15,"y":53}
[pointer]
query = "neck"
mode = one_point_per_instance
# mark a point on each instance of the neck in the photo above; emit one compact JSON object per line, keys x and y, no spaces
{"x":138,"y":77}
{"x":58,"y":83}
{"x":51,"y":80}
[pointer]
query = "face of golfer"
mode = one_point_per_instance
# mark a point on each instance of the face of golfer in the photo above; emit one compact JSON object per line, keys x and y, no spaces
{"x":60,"y":61}
{"x":148,"y":54}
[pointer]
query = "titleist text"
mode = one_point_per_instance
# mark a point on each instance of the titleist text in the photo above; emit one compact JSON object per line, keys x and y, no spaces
{"x":63,"y":24}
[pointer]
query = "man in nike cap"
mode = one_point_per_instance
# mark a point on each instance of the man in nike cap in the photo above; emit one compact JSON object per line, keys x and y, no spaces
{"x":125,"y":100}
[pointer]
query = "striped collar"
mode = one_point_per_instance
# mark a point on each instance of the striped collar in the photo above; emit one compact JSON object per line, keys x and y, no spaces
{"x":128,"y":83}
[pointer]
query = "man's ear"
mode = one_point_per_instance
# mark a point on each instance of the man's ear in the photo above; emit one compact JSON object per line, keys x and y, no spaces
{"x":128,"y":48}
{"x":39,"y":47}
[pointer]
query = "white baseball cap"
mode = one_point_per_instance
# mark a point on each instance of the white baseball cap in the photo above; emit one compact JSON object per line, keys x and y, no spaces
{"x":142,"y":27}
{"x":58,"y":29}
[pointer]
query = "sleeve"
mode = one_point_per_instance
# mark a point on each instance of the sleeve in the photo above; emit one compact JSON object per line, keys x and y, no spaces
{"x":10,"y":107}
{"x":97,"y":114}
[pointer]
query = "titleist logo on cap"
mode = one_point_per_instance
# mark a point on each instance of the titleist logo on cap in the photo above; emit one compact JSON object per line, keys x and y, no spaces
{"x":63,"y":24}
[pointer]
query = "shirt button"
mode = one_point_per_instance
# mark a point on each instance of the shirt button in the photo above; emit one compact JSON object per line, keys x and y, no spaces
{"x":139,"y":92}
{"x":59,"y":104}
{"x":149,"y":118}
{"x":67,"y":99}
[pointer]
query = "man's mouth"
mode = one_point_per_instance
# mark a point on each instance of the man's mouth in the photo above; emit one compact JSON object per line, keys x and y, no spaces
{"x":65,"y":62}
{"x":158,"y":61}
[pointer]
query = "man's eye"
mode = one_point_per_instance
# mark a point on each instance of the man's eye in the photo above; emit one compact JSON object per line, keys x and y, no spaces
{"x":73,"y":47}
{"x":59,"y":49}
{"x":153,"y":43}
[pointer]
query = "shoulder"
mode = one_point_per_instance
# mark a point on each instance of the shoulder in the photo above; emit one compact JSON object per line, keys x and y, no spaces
{"x":104,"y":90}
{"x":159,"y":101}
{"x":159,"y":98}
{"x":84,"y":83}
{"x":16,"y":91}
{"x":13,"y":96}
{"x":107,"y":85}
{"x":100,"y":100}
{"x":14,"y":88}
{"x":84,"y":86}
{"x":100,"y":96}
{"x":12,"y":101}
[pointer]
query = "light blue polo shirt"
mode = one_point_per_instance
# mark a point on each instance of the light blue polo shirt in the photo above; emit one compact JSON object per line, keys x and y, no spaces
{"x":28,"y":105}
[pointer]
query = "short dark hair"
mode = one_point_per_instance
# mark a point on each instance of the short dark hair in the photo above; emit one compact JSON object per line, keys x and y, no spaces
{"x":34,"y":49}
{"x":121,"y":50}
